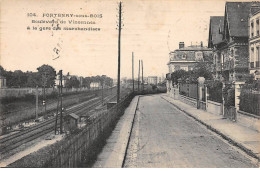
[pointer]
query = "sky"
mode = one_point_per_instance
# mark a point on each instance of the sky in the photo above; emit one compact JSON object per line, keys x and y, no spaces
{"x":151,"y":29}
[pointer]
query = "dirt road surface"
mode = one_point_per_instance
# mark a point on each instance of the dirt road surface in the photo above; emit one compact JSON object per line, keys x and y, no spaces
{"x":163,"y":136}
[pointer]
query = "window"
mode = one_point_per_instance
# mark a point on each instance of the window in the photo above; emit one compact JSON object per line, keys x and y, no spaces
{"x":198,"y":56}
{"x":232,"y":52}
{"x":257,"y":27}
{"x":176,"y":67}
{"x":257,"y":53}
{"x":257,"y":57}
{"x":252,"y":55}
{"x":252,"y":28}
{"x":185,"y":68}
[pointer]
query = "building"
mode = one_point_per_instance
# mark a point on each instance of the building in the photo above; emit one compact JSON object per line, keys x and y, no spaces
{"x":186,"y":58}
{"x":2,"y":82}
{"x":216,"y":28}
{"x":231,"y":53}
{"x":71,"y":122}
{"x":152,"y":80}
{"x":57,"y":81}
{"x":95,"y":85}
{"x":254,"y":41}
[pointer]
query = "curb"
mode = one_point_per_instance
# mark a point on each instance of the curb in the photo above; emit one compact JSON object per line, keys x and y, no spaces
{"x":230,"y":140}
{"x":130,"y":134}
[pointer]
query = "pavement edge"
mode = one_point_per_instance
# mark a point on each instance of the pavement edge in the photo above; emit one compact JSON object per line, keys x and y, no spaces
{"x":132,"y":125}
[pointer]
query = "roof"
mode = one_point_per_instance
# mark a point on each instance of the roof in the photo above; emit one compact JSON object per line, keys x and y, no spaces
{"x":216,"y":25}
{"x":74,"y":116}
{"x":194,"y":48}
{"x":237,"y":14}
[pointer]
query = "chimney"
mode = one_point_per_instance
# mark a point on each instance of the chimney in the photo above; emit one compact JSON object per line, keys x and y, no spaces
{"x":181,"y":45}
{"x":201,"y":44}
{"x":254,"y":8}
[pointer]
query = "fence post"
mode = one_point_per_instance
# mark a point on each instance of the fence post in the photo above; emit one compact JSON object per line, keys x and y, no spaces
{"x":237,"y":93}
{"x":223,"y":99}
{"x":201,"y":81}
{"x":206,"y":96}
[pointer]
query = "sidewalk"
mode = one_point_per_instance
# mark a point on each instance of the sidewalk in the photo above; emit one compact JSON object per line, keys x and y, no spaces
{"x":113,"y":154}
{"x":246,"y":139}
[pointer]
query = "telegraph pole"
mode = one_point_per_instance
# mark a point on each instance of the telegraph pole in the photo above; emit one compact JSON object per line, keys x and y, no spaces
{"x":142,"y":76}
{"x":119,"y":39}
{"x":61,"y":131}
{"x":139,"y":76}
{"x":56,"y":119}
{"x":133,"y":72}
{"x":36,"y":110}
{"x":44,"y":94}
{"x":102,"y":93}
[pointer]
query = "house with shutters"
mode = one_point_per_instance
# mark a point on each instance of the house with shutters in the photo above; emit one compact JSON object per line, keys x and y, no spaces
{"x":186,"y":58}
{"x":231,"y":53}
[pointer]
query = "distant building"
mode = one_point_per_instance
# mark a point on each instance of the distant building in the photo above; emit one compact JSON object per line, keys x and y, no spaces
{"x":57,"y":81}
{"x":95,"y":85}
{"x":186,"y":58}
{"x":254,"y":41}
{"x":152,"y":80}
{"x":2,"y":82}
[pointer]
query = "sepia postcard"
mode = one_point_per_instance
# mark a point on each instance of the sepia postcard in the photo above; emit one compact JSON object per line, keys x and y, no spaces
{"x":129,"y":84}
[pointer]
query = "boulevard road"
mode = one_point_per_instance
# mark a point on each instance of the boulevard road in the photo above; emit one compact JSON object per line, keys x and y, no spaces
{"x":163,"y":136}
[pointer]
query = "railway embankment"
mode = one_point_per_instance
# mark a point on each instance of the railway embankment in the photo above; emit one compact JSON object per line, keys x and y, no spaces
{"x":79,"y":149}
{"x":19,"y":111}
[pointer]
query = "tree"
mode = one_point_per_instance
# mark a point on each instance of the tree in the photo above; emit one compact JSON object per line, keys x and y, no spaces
{"x":2,"y":71}
{"x":72,"y":82}
{"x":47,"y":74}
{"x":16,"y":79}
{"x":178,"y":74}
{"x":203,"y":69}
{"x":86,"y":82}
{"x":34,"y":79}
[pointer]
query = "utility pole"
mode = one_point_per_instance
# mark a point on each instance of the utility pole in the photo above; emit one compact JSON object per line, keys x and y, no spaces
{"x":36,"y":110}
{"x":44,"y":94}
{"x":142,"y":77}
{"x":139,"y":77}
{"x":57,"y":113}
{"x":102,"y":93}
{"x":119,"y":39}
{"x":61,"y":131}
{"x":133,"y":72}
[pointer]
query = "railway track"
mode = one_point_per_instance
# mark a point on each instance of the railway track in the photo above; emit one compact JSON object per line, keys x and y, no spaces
{"x":13,"y":141}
